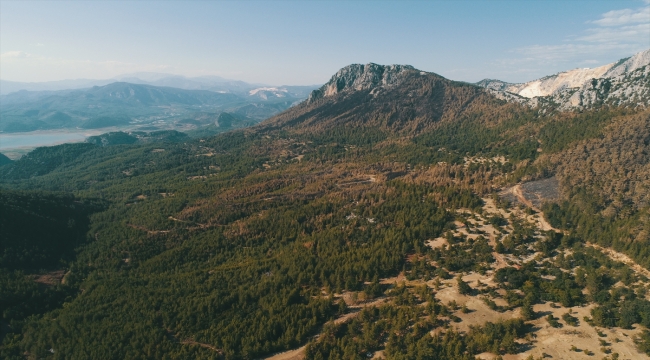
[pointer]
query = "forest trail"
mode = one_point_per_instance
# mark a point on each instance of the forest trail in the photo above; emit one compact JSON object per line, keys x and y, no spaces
{"x":299,"y":353}
{"x":544,"y":225}
{"x":620,"y":257}
{"x":206,"y":346}
{"x":501,"y":261}
{"x":150,"y":232}
{"x":371,"y":179}
{"x":173,"y":337}
{"x":518,"y":193}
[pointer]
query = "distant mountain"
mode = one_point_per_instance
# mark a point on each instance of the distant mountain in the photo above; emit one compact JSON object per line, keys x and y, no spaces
{"x":616,"y":83}
{"x":212,"y":83}
{"x":8,"y":87}
{"x":288,"y":92}
{"x":218,"y":124}
{"x":257,"y":92}
{"x":494,"y":84}
{"x":115,"y":104}
{"x":138,"y":95}
{"x":128,"y":104}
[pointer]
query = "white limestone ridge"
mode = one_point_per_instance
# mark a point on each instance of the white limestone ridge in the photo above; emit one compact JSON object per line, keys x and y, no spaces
{"x":265,"y":93}
{"x":576,"y":78}
{"x":564,"y":80}
{"x":630,"y":64}
{"x":361,"y":77}
{"x":630,"y":88}
{"x":269,"y":89}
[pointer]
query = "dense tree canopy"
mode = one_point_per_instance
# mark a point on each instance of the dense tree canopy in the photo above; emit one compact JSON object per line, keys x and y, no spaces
{"x":234,"y":246}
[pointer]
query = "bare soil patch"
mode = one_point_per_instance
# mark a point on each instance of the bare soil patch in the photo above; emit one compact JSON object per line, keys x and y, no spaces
{"x":297,"y":354}
{"x":51,"y":278}
{"x":533,"y":193}
{"x":557,"y":342}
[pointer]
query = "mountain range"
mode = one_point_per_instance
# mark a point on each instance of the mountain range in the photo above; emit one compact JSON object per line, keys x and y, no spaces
{"x":132,"y":105}
{"x":150,"y":101}
{"x":212,"y":83}
{"x":393,"y":213}
{"x":619,"y":82}
{"x":404,"y":99}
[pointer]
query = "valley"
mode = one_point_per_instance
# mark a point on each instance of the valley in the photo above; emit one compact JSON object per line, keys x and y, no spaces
{"x":393,"y":214}
{"x":141,"y":106}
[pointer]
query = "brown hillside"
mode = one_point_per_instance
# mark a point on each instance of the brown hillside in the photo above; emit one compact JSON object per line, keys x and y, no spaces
{"x":413,"y":102}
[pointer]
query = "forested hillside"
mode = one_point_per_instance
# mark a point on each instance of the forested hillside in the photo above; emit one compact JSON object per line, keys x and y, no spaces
{"x":415,"y":104}
{"x":324,"y":221}
{"x":39,"y":233}
{"x":607,"y":187}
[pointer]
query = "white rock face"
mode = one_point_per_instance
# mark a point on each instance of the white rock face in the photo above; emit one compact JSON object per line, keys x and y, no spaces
{"x":623,"y":82}
{"x":631,"y":88}
{"x":576,"y":78}
{"x":266,"y":93}
{"x":268,"y":89}
{"x":564,"y":80}
{"x":627,"y":65}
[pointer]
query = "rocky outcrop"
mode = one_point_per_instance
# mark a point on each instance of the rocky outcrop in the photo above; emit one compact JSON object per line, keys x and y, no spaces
{"x":625,"y":82}
{"x":630,"y":88}
{"x":629,"y":64}
{"x":361,"y":77}
{"x":551,"y":84}
{"x":494,"y":84}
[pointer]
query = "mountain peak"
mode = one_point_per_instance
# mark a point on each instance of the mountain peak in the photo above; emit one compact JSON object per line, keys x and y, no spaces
{"x":629,"y":64}
{"x":571,"y":79}
{"x":361,"y":77}
{"x":494,"y":84}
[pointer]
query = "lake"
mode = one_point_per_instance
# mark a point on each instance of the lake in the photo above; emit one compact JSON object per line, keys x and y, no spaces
{"x":36,"y":139}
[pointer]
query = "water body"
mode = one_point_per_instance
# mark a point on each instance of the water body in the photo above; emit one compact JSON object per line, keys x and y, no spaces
{"x":36,"y":139}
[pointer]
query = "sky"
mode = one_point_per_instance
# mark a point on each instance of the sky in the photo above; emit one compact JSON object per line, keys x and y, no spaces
{"x":306,"y":42}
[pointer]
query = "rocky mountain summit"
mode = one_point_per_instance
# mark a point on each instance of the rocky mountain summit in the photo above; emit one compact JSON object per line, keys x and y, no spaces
{"x":392,"y":98}
{"x":627,"y":65}
{"x":361,"y":77}
{"x":630,"y":88}
{"x":625,"y":82}
{"x":619,"y":83}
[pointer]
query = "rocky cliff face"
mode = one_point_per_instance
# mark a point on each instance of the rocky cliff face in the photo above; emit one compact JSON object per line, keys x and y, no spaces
{"x":630,"y":88}
{"x":565,"y":80}
{"x":361,"y":77}
{"x":623,"y":82}
{"x":388,"y":99}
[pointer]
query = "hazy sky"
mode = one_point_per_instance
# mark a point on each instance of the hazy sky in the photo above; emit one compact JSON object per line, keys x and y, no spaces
{"x":305,"y":42}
